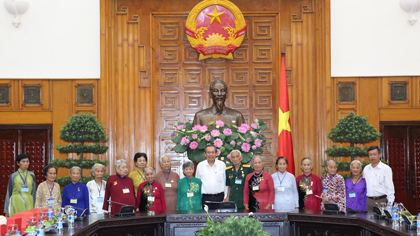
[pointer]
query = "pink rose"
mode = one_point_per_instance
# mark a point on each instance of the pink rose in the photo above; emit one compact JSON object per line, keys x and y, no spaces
{"x":232,"y":143}
{"x":215,"y":133}
{"x":246,"y":147}
{"x":193,"y":145}
{"x":220,"y":123}
{"x":218,"y":143}
{"x":227,"y":132}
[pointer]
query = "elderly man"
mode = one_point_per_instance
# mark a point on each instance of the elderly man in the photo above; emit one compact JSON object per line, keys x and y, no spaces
{"x":211,"y":172}
{"x":218,"y":111}
{"x":378,"y":176}
{"x":235,"y":179}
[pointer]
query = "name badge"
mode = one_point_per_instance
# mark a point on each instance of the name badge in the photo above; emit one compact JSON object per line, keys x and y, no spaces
{"x":100,"y":199}
{"x":238,"y":181}
{"x":24,"y":189}
{"x":126,"y":190}
{"x":325,"y":191}
{"x":352,"y":195}
{"x":280,"y":189}
{"x":74,"y":201}
{"x":151,"y":198}
{"x":190,"y":194}
{"x":51,"y":201}
{"x":59,"y":225}
{"x":255,"y":188}
{"x":309,"y":192}
{"x":168,"y":185}
{"x":71,"y":218}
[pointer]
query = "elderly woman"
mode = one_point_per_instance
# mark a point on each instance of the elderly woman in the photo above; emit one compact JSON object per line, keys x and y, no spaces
{"x":21,"y":190}
{"x":140,"y":160}
{"x":356,"y":188}
{"x":48,"y":192}
{"x":286,"y":195}
{"x":96,"y":188}
{"x":189,"y":189}
{"x":76,"y":194}
{"x":259,"y":188}
{"x":150,"y":195}
{"x":169,"y":180}
{"x":333,"y":188}
{"x":309,"y":187}
{"x":119,"y":188}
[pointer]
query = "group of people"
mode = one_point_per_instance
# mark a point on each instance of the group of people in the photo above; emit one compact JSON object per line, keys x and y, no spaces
{"x":249,"y":187}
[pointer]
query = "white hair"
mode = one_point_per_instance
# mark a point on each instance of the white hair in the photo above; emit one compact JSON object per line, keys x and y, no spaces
{"x":235,"y":150}
{"x":356,"y":162}
{"x":119,"y":163}
{"x":149,"y":168}
{"x":328,"y":161}
{"x":161,"y":158}
{"x":77,"y":168}
{"x":94,"y":167}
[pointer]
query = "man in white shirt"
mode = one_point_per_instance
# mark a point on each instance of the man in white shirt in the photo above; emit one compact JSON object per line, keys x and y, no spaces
{"x":212,"y":174}
{"x":378,"y":176}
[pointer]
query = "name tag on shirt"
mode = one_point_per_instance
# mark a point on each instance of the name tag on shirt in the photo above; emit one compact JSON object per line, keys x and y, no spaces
{"x":168,"y":185}
{"x":51,"y":200}
{"x":100,"y":199}
{"x":24,"y":189}
{"x":255,"y":187}
{"x":309,"y":192}
{"x":74,"y":201}
{"x":238,"y":181}
{"x":59,"y":225}
{"x":126,"y":190}
{"x":352,"y":194}
{"x":151,"y":198}
{"x":190,"y":194}
{"x":325,"y":191}
{"x":280,"y":189}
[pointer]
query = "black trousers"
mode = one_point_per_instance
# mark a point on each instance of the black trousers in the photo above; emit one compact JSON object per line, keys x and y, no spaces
{"x":212,"y":197}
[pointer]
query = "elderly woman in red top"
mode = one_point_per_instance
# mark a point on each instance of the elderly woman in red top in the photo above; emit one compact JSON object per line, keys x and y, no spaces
{"x":150,"y":195}
{"x":259,"y":188}
{"x":120,"y":188}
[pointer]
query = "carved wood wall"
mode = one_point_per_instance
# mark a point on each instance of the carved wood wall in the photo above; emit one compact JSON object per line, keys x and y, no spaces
{"x":150,"y":78}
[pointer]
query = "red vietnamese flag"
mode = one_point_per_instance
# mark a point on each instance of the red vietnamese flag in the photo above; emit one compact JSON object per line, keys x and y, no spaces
{"x":285,"y":145}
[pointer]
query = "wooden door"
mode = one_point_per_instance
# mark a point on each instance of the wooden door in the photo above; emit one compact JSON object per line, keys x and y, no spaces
{"x":182,"y":81}
{"x":401,"y":142}
{"x":34,"y":140}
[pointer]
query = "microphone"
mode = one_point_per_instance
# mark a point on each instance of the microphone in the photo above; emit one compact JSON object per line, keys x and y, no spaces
{"x":119,"y":203}
{"x":401,"y":204}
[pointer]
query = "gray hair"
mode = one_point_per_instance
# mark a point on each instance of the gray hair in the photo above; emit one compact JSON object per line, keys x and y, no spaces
{"x":119,"y":163}
{"x":94,"y":167}
{"x":76,"y":167}
{"x":328,"y":161}
{"x":187,"y":164}
{"x":161,"y":158}
{"x":255,"y":157}
{"x":356,"y":162}
{"x":149,"y":168}
{"x":235,"y":150}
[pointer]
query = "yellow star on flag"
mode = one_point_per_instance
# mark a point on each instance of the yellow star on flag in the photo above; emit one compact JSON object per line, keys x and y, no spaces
{"x":284,"y":121}
{"x":215,"y":16}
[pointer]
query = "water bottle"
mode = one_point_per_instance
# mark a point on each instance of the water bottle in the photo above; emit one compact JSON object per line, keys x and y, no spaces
{"x":40,"y":230}
{"x":389,"y":208}
{"x":17,"y":233}
{"x":71,"y":219}
{"x":60,"y":225}
{"x":395,"y":221}
{"x":418,"y":224}
{"x":50,"y":213}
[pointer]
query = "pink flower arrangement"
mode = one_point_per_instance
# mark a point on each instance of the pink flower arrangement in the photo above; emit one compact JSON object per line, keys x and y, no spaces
{"x":246,"y":126}
{"x":227,"y":132}
{"x":220,"y":123}
{"x":196,"y":127}
{"x":242,"y":130}
{"x":215,"y":133}
{"x":185,"y":141}
{"x":246,"y":147}
{"x":218,"y":143}
{"x":183,"y":126}
{"x":193,"y":145}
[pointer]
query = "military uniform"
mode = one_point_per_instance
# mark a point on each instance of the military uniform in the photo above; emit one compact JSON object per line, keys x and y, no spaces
{"x":236,"y":182}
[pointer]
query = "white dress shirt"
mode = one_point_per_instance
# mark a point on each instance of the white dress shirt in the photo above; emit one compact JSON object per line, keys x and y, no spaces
{"x":96,"y":191}
{"x":213,"y":178}
{"x":379,"y":181}
{"x":287,"y":198}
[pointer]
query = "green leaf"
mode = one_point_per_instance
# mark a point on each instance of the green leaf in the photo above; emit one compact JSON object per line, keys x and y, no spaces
{"x":180,"y":148}
{"x":211,"y":123}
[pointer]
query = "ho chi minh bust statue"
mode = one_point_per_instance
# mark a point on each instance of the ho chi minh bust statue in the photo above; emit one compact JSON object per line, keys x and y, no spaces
{"x":218,"y":111}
